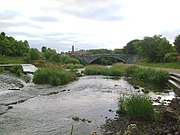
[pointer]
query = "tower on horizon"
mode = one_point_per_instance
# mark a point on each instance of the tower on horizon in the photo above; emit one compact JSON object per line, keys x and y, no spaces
{"x":73,"y":48}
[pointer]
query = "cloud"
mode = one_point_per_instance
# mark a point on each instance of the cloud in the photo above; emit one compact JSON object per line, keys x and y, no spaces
{"x":10,"y":24}
{"x":9,"y":14}
{"x":98,"y":13}
{"x":104,"y":10}
{"x":88,"y":24}
{"x":44,"y":19}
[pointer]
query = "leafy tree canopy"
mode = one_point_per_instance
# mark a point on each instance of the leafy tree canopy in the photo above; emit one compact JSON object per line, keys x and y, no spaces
{"x":177,"y":43}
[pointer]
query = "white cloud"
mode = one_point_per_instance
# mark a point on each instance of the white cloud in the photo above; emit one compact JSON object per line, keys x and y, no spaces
{"x":88,"y":23}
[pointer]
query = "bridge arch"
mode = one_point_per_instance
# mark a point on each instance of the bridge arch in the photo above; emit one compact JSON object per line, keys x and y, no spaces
{"x":96,"y":58}
{"x":126,"y":58}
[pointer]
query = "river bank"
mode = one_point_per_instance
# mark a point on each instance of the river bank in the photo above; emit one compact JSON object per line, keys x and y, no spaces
{"x":169,"y":123}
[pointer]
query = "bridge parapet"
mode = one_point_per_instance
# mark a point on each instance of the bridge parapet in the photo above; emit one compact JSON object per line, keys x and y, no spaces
{"x":126,"y":58}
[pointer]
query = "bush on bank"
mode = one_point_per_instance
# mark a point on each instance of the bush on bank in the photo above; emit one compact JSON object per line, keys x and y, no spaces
{"x":53,"y":76}
{"x":138,"y":107}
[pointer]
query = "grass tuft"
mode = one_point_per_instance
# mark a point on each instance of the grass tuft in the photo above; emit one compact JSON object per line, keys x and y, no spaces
{"x":138,"y":107}
{"x":53,"y":76}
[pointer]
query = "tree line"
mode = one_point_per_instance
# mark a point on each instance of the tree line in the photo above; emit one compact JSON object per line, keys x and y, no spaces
{"x":153,"y":49}
{"x":10,"y":47}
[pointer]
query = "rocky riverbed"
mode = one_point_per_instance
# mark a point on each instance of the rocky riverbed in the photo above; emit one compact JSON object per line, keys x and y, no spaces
{"x":168,"y":125}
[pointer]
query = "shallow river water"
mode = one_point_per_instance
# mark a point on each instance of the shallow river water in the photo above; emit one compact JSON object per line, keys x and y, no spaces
{"x":82,"y":106}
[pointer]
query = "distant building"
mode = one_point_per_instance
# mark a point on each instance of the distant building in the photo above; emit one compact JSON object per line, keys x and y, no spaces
{"x":73,"y":48}
{"x":78,"y":53}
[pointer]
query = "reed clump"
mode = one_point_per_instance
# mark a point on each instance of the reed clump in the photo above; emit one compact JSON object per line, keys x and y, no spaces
{"x":53,"y":76}
{"x":138,"y":107}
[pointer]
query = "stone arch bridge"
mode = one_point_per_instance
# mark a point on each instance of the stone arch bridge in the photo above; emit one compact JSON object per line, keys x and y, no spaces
{"x":125,"y":58}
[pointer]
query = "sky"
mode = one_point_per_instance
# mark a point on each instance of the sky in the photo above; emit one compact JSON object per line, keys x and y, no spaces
{"x":88,"y":24}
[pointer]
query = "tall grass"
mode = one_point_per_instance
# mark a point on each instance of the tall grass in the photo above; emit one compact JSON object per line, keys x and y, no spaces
{"x":148,"y":75}
{"x":115,"y":70}
{"x":17,"y":70}
{"x":155,"y":78}
{"x":138,"y":107}
{"x":72,"y":66}
{"x":53,"y":76}
{"x":96,"y":70}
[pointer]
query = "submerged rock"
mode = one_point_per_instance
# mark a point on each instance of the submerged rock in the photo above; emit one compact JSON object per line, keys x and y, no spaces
{"x":3,"y":109}
{"x":136,"y":87}
{"x":75,"y":118}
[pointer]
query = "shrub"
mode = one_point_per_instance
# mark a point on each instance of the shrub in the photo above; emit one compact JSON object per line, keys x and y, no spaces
{"x":39,"y":63}
{"x":17,"y":70}
{"x":138,"y":107}
{"x":117,"y":69}
{"x":53,"y":76}
{"x":96,"y":70}
{"x":1,"y":69}
{"x":122,"y":105}
{"x":72,"y":60}
{"x":170,"y":57}
{"x":73,"y":66}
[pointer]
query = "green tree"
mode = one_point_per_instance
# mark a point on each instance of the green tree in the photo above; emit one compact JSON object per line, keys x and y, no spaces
{"x":34,"y":54}
{"x":154,"y":48}
{"x":3,"y":34}
{"x":118,"y":51}
{"x":132,"y":47}
{"x":54,"y":58}
{"x":11,"y":47}
{"x":49,"y":53}
{"x":43,"y":49}
{"x":177,"y":43}
{"x":164,"y":47}
{"x":99,"y":51}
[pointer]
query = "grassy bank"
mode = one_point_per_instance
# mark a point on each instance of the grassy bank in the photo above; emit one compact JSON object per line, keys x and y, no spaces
{"x":115,"y":70}
{"x":16,"y":70}
{"x":139,"y":76}
{"x":53,"y":76}
{"x":11,"y":60}
{"x":161,"y":65}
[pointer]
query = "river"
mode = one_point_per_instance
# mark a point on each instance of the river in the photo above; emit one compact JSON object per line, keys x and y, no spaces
{"x":81,"y":106}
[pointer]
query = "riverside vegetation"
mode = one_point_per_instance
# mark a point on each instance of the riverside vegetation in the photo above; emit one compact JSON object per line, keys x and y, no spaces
{"x":138,"y":107}
{"x":153,"y":79}
{"x":53,"y":76}
{"x":16,"y":70}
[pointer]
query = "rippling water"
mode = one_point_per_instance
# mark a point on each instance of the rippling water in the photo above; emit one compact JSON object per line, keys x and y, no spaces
{"x":92,"y":99}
